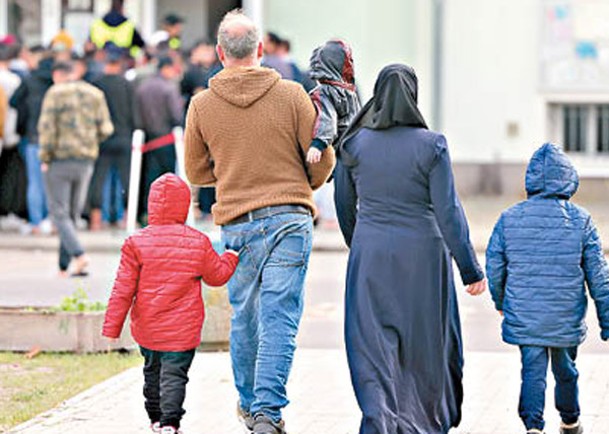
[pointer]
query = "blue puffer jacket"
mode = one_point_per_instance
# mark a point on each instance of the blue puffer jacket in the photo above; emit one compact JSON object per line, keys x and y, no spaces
{"x":541,"y":254}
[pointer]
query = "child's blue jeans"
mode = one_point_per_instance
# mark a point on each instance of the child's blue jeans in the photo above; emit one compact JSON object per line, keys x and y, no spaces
{"x":532,"y":395}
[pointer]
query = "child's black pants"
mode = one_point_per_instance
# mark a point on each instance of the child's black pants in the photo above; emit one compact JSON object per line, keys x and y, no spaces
{"x":165,"y":378}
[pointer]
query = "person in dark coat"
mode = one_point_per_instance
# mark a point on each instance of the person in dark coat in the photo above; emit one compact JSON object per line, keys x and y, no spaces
{"x":402,"y":219}
{"x":27,"y":100}
{"x":542,"y":254}
{"x":115,"y":152}
{"x":160,"y":110}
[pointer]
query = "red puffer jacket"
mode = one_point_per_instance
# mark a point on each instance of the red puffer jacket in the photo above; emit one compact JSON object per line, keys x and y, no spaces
{"x":159,"y":276}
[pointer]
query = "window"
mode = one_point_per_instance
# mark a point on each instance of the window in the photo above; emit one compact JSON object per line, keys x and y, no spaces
{"x":575,"y":120}
{"x":581,"y":128}
{"x":602,"y":141}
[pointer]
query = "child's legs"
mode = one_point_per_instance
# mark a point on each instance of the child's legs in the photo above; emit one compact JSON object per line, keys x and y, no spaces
{"x":533,"y":391}
{"x":174,"y":376}
{"x":152,"y":392}
{"x":566,"y":394}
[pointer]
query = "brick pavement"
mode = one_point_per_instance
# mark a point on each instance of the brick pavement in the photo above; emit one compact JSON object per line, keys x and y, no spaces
{"x":322,"y":401}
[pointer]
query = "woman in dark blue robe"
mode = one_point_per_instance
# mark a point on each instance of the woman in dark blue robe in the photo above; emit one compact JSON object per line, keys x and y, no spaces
{"x":401,"y":216}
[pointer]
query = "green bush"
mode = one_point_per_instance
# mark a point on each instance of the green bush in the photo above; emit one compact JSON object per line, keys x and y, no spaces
{"x":79,"y":302}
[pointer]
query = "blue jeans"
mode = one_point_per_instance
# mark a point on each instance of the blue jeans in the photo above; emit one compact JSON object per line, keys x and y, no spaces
{"x":36,"y":197}
{"x":532,"y":396}
{"x":113,"y":207}
{"x":267,"y":294}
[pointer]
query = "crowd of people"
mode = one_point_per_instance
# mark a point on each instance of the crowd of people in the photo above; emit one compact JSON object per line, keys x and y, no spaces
{"x":146,"y":86}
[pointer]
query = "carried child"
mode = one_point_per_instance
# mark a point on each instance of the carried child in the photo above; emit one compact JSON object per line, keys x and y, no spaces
{"x":159,"y":280}
{"x":335,"y":96}
{"x":542,"y":255}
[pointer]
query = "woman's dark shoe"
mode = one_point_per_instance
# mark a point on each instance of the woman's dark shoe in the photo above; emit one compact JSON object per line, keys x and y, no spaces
{"x":575,"y":428}
{"x":265,"y":425}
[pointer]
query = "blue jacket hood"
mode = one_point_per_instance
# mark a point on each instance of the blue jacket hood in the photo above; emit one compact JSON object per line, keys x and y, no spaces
{"x":551,"y":174}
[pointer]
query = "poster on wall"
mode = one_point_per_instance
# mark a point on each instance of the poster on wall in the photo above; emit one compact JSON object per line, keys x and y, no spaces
{"x":575,"y":45}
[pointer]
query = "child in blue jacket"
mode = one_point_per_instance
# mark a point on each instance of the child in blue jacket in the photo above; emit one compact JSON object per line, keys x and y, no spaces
{"x":542,"y":255}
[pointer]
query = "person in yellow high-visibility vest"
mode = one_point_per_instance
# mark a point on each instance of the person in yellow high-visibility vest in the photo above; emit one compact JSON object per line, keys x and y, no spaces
{"x":172,"y":24}
{"x":115,"y":27}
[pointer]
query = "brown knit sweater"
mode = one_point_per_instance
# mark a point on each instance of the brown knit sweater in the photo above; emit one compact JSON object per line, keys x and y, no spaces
{"x":248,"y":135}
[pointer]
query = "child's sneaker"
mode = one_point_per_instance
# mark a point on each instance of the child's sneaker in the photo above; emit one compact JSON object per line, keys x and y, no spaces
{"x":170,"y":430}
{"x":264,"y":425}
{"x":155,"y":427}
{"x":535,"y":431}
{"x":575,"y":428}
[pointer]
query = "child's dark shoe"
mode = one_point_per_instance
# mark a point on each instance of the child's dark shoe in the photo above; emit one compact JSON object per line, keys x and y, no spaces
{"x":265,"y":425}
{"x":575,"y":428}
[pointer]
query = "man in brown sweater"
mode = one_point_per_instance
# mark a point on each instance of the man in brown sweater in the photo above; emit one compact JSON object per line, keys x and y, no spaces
{"x":248,"y":135}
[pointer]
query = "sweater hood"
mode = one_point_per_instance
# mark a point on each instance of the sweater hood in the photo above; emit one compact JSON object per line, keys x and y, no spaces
{"x":243,"y":86}
{"x":550,"y":174}
{"x":333,"y":62}
{"x":169,"y":201}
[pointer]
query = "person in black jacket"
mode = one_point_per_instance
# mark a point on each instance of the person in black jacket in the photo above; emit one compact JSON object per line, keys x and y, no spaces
{"x":115,"y":152}
{"x":27,"y":99}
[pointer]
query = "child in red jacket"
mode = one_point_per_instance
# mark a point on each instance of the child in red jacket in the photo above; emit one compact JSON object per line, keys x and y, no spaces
{"x":159,"y":279}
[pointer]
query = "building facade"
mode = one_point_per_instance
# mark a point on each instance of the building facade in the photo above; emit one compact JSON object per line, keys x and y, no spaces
{"x":518,"y":73}
{"x":498,"y":77}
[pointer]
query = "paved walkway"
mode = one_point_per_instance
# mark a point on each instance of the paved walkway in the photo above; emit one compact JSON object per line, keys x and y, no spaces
{"x":482,"y":213}
{"x":322,"y":401}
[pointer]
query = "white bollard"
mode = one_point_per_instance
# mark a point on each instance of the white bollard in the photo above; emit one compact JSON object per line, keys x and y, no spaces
{"x":134,"y":180}
{"x":178,"y":137}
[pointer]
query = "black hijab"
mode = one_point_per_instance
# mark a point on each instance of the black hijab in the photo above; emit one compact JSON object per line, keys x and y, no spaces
{"x":394,"y":104}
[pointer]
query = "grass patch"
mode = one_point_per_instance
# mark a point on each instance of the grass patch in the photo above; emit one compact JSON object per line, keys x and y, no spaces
{"x":30,"y":387}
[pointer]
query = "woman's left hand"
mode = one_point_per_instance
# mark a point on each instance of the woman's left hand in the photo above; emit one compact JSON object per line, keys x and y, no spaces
{"x":477,"y":288}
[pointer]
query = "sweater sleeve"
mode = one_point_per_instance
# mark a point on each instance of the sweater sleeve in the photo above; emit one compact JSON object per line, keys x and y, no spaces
{"x":123,"y":292}
{"x":318,"y":172}
{"x":496,"y":265}
{"x":216,"y":269}
{"x":47,"y":128}
{"x":597,"y":276}
{"x":450,"y":215}
{"x":199,"y":168}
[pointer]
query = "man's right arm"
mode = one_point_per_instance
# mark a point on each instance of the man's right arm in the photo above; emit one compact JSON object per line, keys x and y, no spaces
{"x":318,"y":172}
{"x":47,"y":128}
{"x":199,"y":169}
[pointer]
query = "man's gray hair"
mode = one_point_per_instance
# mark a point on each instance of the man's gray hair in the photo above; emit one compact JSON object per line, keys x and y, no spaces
{"x":238,"y":35}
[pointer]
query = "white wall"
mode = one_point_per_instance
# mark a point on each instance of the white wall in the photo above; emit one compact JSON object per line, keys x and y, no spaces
{"x":491,"y":79}
{"x":381,"y":32}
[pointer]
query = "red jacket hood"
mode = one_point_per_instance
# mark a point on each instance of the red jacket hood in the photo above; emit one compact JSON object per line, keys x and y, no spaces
{"x":169,"y":201}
